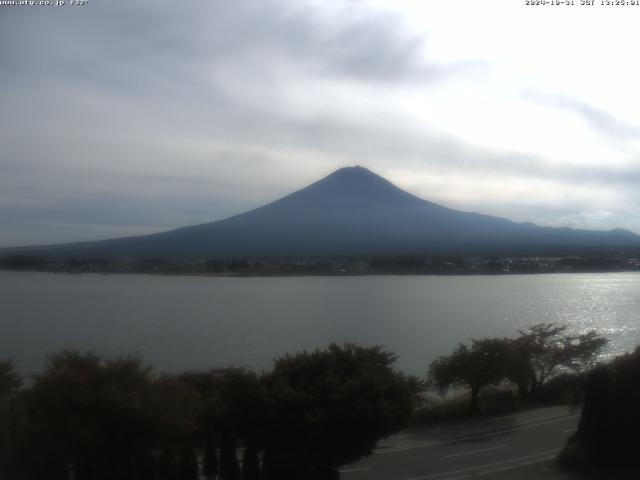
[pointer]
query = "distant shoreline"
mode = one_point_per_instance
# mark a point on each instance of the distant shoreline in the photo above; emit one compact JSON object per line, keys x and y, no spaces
{"x":311,"y":275}
{"x":338,"y":266}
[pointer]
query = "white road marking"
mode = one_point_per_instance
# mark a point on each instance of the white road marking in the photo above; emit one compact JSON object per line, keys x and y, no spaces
{"x":471,"y":452}
{"x":412,"y":447}
{"x":512,"y":467}
{"x":479,"y":467}
{"x":478,"y":435}
{"x":358,"y":469}
{"x":570,"y":430}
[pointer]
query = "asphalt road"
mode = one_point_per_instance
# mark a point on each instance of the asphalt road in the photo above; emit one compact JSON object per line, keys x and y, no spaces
{"x":514,"y":446}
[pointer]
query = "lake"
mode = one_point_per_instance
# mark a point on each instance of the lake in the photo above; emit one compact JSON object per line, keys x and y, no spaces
{"x":183,"y":322}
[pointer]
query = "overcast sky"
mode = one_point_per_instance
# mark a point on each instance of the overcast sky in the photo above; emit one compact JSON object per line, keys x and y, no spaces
{"x":123,"y":117}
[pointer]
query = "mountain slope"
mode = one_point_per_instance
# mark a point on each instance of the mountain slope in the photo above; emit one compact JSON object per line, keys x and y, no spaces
{"x":353,"y":211}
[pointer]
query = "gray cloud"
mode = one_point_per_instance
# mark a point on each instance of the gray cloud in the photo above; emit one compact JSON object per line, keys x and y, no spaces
{"x":114,"y":112}
{"x":126,"y":117}
{"x":600,"y":121}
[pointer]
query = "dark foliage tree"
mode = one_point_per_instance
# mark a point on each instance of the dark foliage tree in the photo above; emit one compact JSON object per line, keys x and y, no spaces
{"x":581,"y":351}
{"x":250,"y":462}
{"x":229,"y":466}
{"x":231,"y":409}
{"x":10,"y":416}
{"x":539,"y":353}
{"x":529,"y":361}
{"x":10,"y":380}
{"x":90,"y":416}
{"x":173,"y":405}
{"x":167,"y":465}
{"x":608,"y":429}
{"x":210,"y":458}
{"x":330,"y":407}
{"x":482,"y":363}
{"x":187,"y":464}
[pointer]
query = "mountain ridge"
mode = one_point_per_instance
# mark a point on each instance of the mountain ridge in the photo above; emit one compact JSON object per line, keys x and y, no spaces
{"x":351,"y":211}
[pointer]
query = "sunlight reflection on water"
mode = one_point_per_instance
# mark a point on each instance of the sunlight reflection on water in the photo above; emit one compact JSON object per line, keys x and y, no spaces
{"x":199,"y":322}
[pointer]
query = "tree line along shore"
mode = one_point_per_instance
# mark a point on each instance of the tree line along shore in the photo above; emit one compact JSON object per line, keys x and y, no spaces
{"x":342,"y":265}
{"x":86,"y":417}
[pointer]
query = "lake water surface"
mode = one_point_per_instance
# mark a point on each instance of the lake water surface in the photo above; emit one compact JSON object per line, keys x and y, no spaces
{"x":181,"y":323}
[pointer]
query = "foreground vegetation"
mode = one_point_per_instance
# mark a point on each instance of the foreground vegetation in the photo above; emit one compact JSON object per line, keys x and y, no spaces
{"x":529,"y":362}
{"x":605,"y":443}
{"x":89,"y":418}
{"x":86,"y":417}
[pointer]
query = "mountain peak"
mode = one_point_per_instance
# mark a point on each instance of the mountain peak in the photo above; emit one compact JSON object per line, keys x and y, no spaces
{"x":355,"y":177}
{"x":355,"y":168}
{"x":355,"y":171}
{"x":354,"y":181}
{"x":354,"y":190}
